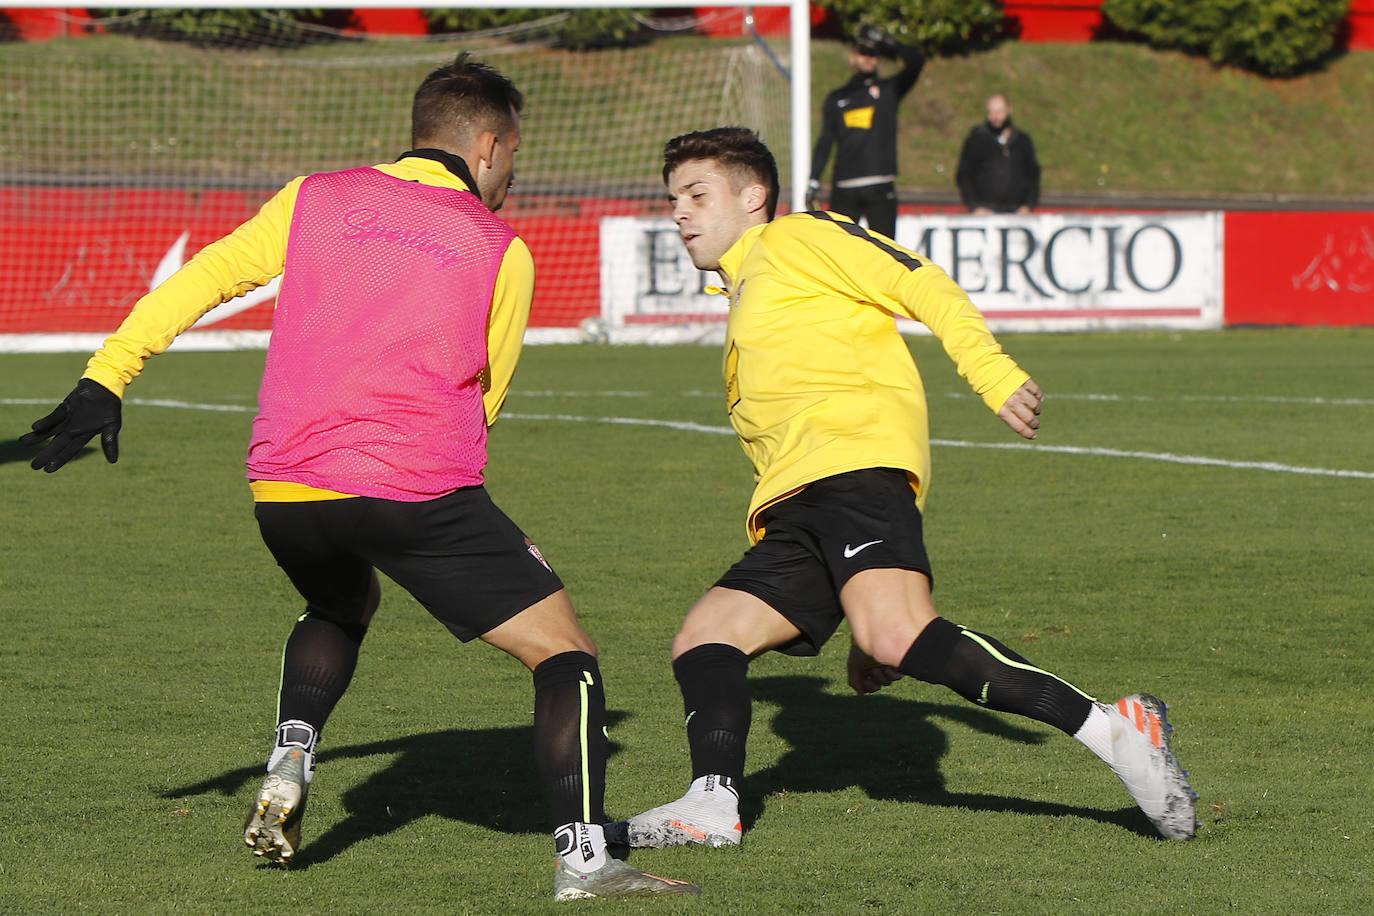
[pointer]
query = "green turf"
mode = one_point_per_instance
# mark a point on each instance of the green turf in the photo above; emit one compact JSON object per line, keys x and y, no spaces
{"x":143,"y":622}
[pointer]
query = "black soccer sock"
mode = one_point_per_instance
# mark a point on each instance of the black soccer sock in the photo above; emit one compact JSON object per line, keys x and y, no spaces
{"x":316,"y":669}
{"x":981,"y":669}
{"x":715,"y":695}
{"x":570,"y":745}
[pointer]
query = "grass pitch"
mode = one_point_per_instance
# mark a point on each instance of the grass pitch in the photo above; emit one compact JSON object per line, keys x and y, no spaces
{"x":1194,"y":522}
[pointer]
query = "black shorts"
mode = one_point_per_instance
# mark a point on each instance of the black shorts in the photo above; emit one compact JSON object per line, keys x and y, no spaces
{"x":458,"y":555}
{"x":817,"y":539}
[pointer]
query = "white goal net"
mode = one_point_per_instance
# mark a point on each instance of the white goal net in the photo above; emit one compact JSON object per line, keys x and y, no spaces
{"x":131,"y":139}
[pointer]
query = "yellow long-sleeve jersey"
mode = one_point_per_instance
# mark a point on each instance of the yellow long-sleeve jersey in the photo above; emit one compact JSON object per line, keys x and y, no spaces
{"x":818,"y":379}
{"x":252,"y":255}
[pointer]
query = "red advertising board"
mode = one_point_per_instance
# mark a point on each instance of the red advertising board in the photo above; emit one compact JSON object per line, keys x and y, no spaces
{"x":77,"y":259}
{"x":1357,"y":33}
{"x":1299,"y":268}
{"x":1054,"y":20}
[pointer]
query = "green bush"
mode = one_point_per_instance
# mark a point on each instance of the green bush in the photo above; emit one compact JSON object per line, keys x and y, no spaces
{"x":244,"y":26}
{"x":584,"y":28}
{"x":936,"y":26}
{"x":1272,"y":37}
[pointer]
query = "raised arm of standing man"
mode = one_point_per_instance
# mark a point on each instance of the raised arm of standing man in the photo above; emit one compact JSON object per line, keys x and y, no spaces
{"x":913,"y":61}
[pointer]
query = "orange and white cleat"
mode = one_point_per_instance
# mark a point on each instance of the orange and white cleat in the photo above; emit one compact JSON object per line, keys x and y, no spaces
{"x":1144,"y":760}
{"x":708,"y":815}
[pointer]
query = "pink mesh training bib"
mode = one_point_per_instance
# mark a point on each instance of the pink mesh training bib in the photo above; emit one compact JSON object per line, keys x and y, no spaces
{"x":371,"y":385}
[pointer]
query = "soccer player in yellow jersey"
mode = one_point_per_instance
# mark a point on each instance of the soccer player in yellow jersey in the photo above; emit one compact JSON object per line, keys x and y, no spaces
{"x":402,"y":306}
{"x":829,"y":407}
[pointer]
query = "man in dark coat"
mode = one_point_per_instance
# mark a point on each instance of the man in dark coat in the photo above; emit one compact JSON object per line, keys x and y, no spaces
{"x":998,"y":171}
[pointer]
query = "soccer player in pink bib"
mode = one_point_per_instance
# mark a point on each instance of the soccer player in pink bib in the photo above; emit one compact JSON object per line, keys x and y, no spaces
{"x":402,"y":307}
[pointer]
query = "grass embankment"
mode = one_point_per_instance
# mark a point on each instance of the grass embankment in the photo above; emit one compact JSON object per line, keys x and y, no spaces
{"x":1119,"y":118}
{"x":1106,"y":118}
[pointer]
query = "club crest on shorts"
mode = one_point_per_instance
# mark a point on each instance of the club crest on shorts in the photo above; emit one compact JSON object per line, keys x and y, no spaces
{"x":534,"y":552}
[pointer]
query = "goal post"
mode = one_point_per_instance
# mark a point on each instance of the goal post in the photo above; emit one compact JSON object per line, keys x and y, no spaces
{"x":125,"y":151}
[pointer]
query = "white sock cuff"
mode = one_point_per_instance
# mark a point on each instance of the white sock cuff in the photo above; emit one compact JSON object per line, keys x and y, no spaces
{"x":1096,"y":733}
{"x":717,"y":786}
{"x":293,"y":733}
{"x":581,"y":846}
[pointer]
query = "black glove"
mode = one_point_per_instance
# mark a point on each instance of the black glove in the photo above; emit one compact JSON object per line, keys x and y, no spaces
{"x":91,"y":408}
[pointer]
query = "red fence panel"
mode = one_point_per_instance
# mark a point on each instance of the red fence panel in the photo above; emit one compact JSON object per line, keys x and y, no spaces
{"x":1299,"y":268}
{"x":1054,"y":20}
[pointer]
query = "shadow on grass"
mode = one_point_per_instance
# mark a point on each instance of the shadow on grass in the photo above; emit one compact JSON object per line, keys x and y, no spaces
{"x":886,"y":745}
{"x":891,"y":748}
{"x":485,"y":777}
{"x":11,"y":452}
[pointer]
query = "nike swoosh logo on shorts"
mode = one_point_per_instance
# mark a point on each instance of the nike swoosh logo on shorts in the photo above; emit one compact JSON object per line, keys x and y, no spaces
{"x":851,"y":551}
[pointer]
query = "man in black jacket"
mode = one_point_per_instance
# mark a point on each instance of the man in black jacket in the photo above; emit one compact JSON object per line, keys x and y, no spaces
{"x":859,"y":119}
{"x":998,"y":171}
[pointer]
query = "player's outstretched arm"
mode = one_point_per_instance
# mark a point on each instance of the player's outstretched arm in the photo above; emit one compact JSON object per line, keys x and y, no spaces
{"x":91,"y":408}
{"x":1022,"y":410}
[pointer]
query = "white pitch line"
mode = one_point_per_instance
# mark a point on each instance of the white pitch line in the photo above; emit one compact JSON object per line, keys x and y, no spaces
{"x":1208,"y":399}
{"x":684,"y":426}
{"x":191,"y":405}
{"x":621,"y":394}
{"x":1167,"y":457}
{"x":953,"y":395}
{"x":1052,"y":396}
{"x":145,"y":402}
{"x":625,"y":421}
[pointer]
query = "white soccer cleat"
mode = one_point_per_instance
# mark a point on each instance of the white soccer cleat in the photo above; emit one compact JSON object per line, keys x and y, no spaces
{"x":273,"y":828}
{"x":1143,"y":759}
{"x":708,"y":815}
{"x":614,"y":879}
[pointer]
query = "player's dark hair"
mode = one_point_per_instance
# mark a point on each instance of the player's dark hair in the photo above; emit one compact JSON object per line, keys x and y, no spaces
{"x":737,"y":149}
{"x":461,"y":98}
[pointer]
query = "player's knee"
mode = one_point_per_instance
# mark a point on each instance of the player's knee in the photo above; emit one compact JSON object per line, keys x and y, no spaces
{"x":353,"y":622}
{"x":751,"y":640}
{"x":569,"y":636}
{"x":572,"y":636}
{"x":703,"y":629}
{"x":582,"y":642}
{"x":688,"y":638}
{"x":732,"y":618}
{"x":885,"y":647}
{"x":373,"y":600}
